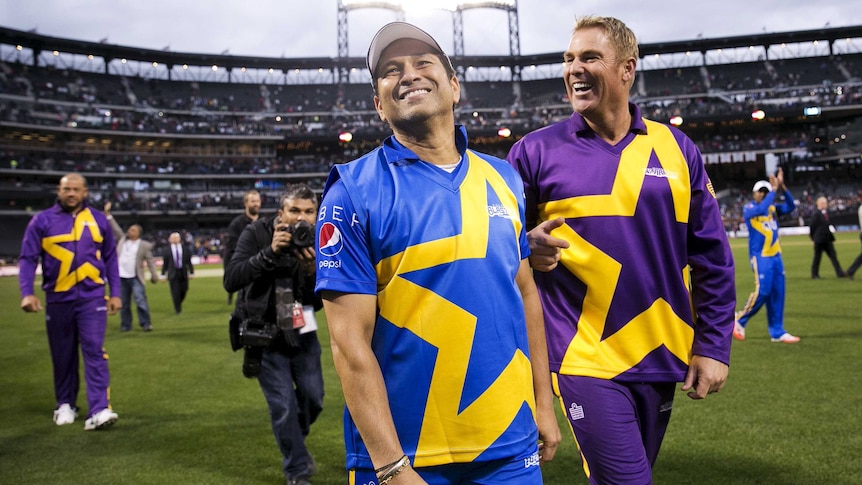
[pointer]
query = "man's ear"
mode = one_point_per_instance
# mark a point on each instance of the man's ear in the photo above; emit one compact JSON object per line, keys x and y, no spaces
{"x":456,"y":89}
{"x":379,"y":108}
{"x":629,"y":68}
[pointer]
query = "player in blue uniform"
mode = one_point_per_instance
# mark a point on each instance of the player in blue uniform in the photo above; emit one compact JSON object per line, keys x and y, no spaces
{"x":764,"y":253}
{"x":436,"y":327}
{"x":632,"y":262}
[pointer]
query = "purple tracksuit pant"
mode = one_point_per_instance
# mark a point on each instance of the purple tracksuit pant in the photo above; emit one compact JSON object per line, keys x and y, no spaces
{"x":618,"y":426}
{"x":69,"y":325}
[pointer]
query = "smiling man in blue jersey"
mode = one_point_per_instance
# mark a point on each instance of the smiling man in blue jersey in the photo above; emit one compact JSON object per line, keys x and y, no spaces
{"x":436,"y":328}
{"x":632,"y":263}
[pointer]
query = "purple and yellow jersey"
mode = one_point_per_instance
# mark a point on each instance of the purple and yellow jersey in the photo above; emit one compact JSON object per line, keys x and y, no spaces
{"x":644,"y":228}
{"x":441,"y":252}
{"x":78,"y":255}
{"x":762,"y":222}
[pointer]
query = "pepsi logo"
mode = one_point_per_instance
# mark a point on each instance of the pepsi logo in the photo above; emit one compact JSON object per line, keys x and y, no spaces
{"x":329,"y":240}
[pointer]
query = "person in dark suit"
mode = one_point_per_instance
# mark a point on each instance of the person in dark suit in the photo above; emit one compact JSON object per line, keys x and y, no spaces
{"x":822,"y":237}
{"x":856,"y":262}
{"x":178,"y":266}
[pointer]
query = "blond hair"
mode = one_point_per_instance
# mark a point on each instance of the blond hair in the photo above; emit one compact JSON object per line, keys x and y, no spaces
{"x":624,"y":40}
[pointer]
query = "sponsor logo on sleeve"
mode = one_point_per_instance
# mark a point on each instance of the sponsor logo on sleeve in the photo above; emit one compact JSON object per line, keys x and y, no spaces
{"x":330,"y":242}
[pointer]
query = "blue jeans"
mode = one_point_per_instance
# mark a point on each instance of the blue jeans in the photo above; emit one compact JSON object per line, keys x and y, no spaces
{"x":133,"y":288}
{"x":292,"y":383}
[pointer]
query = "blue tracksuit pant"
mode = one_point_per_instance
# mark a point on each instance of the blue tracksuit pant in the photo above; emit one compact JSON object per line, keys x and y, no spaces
{"x":769,"y":289}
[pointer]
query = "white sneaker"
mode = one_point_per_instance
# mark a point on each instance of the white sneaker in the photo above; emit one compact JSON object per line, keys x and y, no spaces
{"x":786,"y":338}
{"x":101,"y":420}
{"x":64,"y":415}
{"x":738,"y":331}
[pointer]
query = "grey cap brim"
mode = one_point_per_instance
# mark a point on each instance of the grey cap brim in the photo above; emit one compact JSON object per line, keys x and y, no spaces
{"x":391,"y":32}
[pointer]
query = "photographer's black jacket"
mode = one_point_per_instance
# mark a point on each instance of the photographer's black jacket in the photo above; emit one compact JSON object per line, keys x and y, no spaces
{"x":255,"y":267}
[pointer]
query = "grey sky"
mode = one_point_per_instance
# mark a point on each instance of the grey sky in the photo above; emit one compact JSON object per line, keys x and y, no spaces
{"x":307,"y":28}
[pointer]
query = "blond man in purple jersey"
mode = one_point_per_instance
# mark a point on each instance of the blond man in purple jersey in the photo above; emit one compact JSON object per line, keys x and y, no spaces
{"x":631,"y":260}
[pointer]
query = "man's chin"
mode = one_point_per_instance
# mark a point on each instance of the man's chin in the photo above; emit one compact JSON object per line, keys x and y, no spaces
{"x":583,"y":108}
{"x":69,"y":208}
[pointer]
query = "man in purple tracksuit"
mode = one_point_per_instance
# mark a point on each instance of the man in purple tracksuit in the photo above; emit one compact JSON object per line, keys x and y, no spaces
{"x":78,"y":255}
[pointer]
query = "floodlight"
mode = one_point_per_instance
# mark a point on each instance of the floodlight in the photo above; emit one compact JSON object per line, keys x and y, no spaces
{"x":811,"y":111}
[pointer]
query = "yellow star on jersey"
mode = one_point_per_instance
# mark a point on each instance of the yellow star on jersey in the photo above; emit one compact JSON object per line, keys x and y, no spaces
{"x":54,"y":246}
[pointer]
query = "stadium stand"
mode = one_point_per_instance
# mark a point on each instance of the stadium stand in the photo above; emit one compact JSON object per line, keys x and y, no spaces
{"x":173,"y":152}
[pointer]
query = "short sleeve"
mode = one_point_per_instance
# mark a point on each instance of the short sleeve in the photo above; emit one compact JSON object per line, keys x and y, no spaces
{"x":344,"y":261}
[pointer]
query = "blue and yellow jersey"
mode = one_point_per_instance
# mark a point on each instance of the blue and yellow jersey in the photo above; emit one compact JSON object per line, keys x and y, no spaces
{"x":648,"y":278}
{"x":77,"y":253}
{"x":762,"y":222}
{"x":441,"y":252}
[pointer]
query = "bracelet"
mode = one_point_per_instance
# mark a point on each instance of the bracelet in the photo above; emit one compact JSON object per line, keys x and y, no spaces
{"x":393,"y":470}
{"x":390,"y":465}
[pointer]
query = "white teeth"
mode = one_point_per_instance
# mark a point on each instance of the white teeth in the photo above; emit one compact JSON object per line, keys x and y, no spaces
{"x":418,"y":91}
{"x":581,"y":86}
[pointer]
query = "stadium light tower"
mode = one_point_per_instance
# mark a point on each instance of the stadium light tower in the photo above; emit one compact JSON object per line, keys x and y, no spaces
{"x":456,"y":7}
{"x":344,"y":6}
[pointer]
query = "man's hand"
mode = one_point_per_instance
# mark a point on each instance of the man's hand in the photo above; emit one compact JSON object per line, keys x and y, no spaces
{"x":114,"y":305}
{"x":704,"y":376}
{"x":31,"y":304}
{"x":281,"y":238}
{"x":544,"y":248}
{"x":777,"y":180}
{"x":107,"y":208}
{"x":307,"y":260}
{"x":549,"y":435}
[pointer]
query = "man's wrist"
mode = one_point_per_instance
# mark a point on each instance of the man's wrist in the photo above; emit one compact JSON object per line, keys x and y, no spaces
{"x":267,"y":257}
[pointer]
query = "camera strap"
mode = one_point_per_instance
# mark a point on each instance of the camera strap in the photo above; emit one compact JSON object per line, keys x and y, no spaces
{"x":285,"y":308}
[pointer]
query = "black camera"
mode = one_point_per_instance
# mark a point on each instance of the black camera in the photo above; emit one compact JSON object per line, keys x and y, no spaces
{"x":254,"y":335}
{"x":302,"y":235}
{"x":255,"y":332}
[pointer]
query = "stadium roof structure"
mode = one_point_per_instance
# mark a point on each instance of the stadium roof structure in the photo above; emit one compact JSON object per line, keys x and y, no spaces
{"x":39,"y":43}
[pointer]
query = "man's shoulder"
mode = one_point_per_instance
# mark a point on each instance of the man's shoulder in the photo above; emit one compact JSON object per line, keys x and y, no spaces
{"x":369,"y":160}
{"x":550,"y":131}
{"x":50,"y":212}
{"x":367,"y":167}
{"x":260,"y":228}
{"x":239,"y":221}
{"x":501,"y":166}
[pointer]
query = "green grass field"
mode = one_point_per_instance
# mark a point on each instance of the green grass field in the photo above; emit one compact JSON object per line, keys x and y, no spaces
{"x":790,"y":414}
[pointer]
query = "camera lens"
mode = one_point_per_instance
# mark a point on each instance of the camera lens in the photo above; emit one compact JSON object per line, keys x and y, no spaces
{"x":303,"y":235}
{"x":251,"y":362}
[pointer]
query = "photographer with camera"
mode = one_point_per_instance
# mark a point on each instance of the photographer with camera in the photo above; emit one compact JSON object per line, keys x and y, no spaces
{"x":273,"y":271}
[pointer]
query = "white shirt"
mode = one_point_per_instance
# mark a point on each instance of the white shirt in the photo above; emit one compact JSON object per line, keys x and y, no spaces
{"x":128,"y":256}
